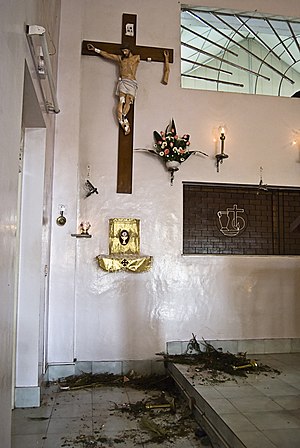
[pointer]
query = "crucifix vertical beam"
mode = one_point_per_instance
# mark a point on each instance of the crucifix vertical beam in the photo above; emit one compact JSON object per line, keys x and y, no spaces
{"x":125,"y":142}
{"x":125,"y":157}
{"x":125,"y":152}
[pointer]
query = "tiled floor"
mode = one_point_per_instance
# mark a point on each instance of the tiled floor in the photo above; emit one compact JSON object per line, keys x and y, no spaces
{"x":89,"y":418}
{"x":258,"y":411}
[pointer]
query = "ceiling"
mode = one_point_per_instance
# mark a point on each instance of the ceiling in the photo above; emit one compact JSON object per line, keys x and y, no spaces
{"x":227,"y":47}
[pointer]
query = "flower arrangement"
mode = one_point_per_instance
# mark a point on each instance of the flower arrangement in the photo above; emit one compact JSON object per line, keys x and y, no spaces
{"x":170,"y":146}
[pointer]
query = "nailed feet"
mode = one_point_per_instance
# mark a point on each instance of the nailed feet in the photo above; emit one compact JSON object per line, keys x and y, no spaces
{"x":124,"y":123}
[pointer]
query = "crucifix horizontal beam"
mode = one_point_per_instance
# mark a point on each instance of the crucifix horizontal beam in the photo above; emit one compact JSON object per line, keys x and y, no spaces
{"x":146,"y":53}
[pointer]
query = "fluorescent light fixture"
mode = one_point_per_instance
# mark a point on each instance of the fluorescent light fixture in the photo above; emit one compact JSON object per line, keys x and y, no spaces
{"x":42,"y":60}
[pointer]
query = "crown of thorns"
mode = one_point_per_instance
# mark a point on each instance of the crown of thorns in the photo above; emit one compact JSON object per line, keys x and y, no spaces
{"x":126,"y":47}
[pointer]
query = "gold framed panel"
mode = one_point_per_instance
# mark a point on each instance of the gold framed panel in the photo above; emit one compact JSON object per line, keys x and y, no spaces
{"x":124,"y":236}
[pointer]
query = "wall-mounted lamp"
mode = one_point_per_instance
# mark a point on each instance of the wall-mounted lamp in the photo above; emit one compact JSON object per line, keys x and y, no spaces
{"x":88,"y":186}
{"x":221,"y":156}
{"x":261,"y":186}
{"x":42,"y":63}
{"x":90,"y":189}
{"x":61,"y":220}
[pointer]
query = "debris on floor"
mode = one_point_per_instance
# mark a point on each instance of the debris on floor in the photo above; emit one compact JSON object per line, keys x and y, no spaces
{"x":89,"y":441}
{"x":216,"y":365}
{"x":149,"y":382}
{"x":159,"y":403}
{"x":162,"y":416}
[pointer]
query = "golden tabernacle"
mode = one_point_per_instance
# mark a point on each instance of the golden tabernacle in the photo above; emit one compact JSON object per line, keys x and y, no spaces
{"x":124,"y":248}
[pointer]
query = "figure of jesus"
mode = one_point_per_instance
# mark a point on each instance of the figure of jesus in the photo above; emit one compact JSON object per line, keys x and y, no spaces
{"x":127,"y":84}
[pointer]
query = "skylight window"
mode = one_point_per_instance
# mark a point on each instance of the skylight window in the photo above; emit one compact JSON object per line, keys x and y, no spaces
{"x":230,"y":51}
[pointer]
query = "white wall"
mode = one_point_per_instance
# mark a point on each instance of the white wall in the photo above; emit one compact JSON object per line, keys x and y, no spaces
{"x":102,"y":316}
{"x":14,"y":50}
{"x":30,"y":268}
{"x":63,"y":262}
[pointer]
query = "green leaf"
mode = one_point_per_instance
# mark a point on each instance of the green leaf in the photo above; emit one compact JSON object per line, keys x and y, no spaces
{"x":156,"y":136}
{"x":173,"y":126}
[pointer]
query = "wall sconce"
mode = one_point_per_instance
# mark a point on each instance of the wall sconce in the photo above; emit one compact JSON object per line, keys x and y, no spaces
{"x":61,"y":220}
{"x":261,"y":186}
{"x":221,"y":156}
{"x":88,"y":186}
{"x":90,"y":189}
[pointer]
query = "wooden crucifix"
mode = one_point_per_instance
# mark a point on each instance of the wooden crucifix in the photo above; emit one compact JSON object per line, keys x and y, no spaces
{"x":114,"y":51}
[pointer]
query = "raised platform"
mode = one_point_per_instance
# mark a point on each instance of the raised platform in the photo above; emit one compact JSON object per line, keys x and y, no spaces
{"x":260,"y":411}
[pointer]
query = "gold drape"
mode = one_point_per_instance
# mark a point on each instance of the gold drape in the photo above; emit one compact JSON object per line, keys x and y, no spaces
{"x":114,"y":263}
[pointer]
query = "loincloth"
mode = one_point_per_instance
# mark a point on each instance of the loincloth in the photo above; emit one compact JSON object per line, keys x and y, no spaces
{"x":127,"y":87}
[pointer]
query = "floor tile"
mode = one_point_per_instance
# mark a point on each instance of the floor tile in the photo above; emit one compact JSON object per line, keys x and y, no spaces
{"x":289,"y":403}
{"x":24,"y":425}
{"x":276,"y":387}
{"x":32,"y":413}
{"x":103,"y":412}
{"x":295,"y":413}
{"x":250,"y":438}
{"x":260,"y":404}
{"x":82,"y":396}
{"x":273,"y":420}
{"x":252,"y":404}
{"x":240,"y":392}
{"x":222,"y":406}
{"x":70,"y":425}
{"x":109,"y":395}
{"x":57,"y":440}
{"x":74,"y":409}
{"x":208,"y":392}
{"x":238,"y":422}
{"x":116,"y":424}
{"x":284,"y":438}
{"x":27,"y":441}
{"x":92,"y":417}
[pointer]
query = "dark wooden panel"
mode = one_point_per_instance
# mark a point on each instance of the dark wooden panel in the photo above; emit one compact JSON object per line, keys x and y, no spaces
{"x":271,"y":219}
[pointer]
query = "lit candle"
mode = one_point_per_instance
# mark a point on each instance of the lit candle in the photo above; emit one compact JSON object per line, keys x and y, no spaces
{"x":222,"y":138}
